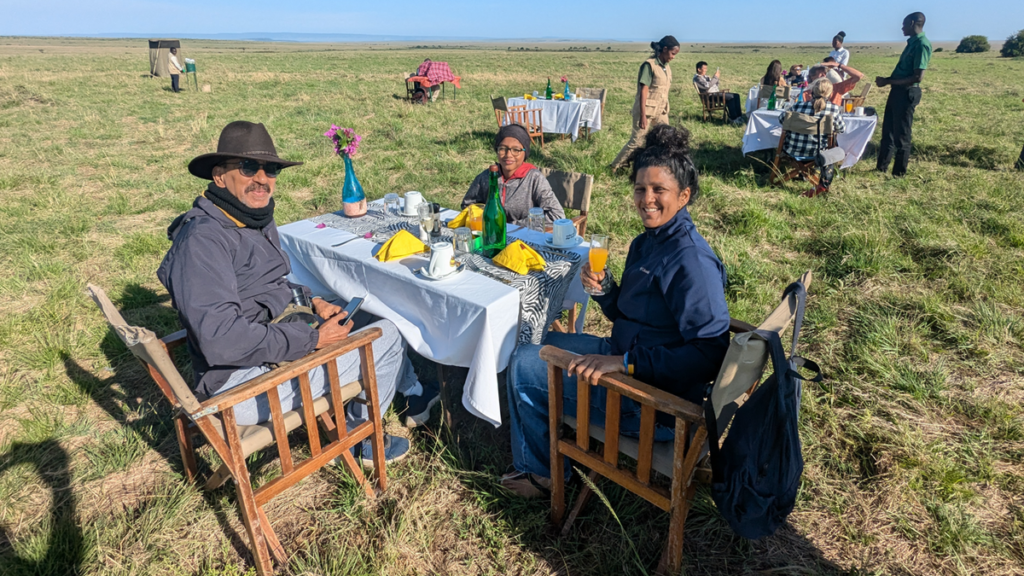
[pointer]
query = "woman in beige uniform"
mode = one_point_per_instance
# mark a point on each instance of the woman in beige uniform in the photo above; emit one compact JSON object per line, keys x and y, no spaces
{"x":650,"y":107}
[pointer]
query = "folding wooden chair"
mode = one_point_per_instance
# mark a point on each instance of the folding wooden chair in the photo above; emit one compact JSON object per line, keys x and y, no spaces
{"x":214,"y":418}
{"x":859,"y":99}
{"x":529,"y":118}
{"x":592,"y":94}
{"x":573,"y":190}
{"x":500,"y":105}
{"x":677,"y":460}
{"x":764,"y":93}
{"x":711,"y":103}
{"x":786,"y":167}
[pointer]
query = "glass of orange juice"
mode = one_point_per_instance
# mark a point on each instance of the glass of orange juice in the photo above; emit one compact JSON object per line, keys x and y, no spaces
{"x":849,"y":106}
{"x":598,"y":259}
{"x":476,"y":221}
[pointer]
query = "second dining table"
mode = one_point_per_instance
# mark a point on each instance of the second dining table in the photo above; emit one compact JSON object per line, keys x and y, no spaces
{"x":564,"y":116}
{"x":473,"y":319}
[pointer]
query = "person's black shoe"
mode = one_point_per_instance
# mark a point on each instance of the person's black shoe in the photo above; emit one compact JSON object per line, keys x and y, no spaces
{"x":417,"y":410}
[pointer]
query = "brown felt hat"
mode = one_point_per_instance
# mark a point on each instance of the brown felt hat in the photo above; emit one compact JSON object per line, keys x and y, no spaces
{"x":239,"y":139}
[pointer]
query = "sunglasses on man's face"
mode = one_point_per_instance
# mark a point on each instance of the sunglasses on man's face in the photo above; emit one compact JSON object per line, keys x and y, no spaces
{"x":249,"y":168}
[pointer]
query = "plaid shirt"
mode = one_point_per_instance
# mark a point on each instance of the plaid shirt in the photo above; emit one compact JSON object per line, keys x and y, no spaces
{"x":807,"y":145}
{"x":436,"y":72}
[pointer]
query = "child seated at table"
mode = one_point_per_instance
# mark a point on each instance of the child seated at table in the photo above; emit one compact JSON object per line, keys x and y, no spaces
{"x":806,"y":146}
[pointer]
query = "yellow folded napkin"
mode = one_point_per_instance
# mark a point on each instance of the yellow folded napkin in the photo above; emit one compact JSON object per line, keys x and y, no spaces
{"x":559,"y":96}
{"x":520,"y":258}
{"x":399,"y":246}
{"x":471,"y":211}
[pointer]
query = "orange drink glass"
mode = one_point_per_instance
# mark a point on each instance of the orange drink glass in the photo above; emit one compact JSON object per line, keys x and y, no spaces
{"x":598,"y":258}
{"x":849,"y":106}
{"x":476,"y":223}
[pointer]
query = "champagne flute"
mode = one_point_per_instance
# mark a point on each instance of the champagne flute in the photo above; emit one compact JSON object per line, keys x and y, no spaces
{"x":598,"y":260}
{"x":426,"y":216}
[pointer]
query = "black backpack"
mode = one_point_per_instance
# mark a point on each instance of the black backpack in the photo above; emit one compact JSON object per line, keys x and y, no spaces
{"x":756,"y":472}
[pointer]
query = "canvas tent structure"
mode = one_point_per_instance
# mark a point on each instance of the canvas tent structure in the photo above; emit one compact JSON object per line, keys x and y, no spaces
{"x":158,"y":54}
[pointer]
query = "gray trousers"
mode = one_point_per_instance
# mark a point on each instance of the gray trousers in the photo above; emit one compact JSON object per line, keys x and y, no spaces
{"x":394,"y":373}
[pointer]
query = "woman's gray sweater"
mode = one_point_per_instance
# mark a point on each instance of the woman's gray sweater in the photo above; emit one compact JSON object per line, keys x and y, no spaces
{"x":521,"y":194}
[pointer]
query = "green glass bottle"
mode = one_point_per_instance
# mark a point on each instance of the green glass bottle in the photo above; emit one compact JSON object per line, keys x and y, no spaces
{"x":547,"y":93}
{"x":494,"y":237}
{"x":771,"y":101}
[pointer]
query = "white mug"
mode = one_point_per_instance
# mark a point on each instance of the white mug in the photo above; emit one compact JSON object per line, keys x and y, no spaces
{"x":859,"y":110}
{"x":441,"y":254}
{"x":563,"y":232}
{"x":412,"y":200}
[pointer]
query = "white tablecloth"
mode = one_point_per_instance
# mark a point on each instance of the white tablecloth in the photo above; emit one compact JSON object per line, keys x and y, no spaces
{"x":752,"y":99}
{"x":469,"y":320}
{"x":561,"y":117}
{"x":764,"y":130}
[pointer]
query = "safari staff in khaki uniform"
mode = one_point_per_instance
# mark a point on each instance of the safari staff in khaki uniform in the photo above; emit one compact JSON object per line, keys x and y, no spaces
{"x":650,"y":107}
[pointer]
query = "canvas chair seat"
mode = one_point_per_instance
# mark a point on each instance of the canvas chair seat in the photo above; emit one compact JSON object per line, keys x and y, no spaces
{"x":663,"y":454}
{"x":258,"y":436}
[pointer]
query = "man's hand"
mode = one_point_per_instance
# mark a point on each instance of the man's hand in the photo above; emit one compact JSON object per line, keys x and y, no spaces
{"x":592,"y":366}
{"x":590,"y":278}
{"x":881,"y":81}
{"x":325,"y":309}
{"x":830,"y":64}
{"x":643,"y":122}
{"x":718,"y":73}
{"x":333,"y":331}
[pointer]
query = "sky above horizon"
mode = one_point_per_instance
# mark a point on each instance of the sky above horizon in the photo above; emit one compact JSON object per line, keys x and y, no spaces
{"x":744,"y":21}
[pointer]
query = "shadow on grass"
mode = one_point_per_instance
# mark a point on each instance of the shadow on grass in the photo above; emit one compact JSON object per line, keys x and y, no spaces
{"x":64,"y":549}
{"x":962,"y":154}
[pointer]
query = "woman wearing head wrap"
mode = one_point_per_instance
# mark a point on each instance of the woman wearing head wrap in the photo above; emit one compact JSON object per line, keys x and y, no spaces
{"x":669,"y":318}
{"x":650,"y":107}
{"x":806,"y":146}
{"x":522,"y":185}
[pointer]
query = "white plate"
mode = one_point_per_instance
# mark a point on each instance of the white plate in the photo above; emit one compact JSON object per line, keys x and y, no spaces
{"x":422,"y":272}
{"x":572,"y":244}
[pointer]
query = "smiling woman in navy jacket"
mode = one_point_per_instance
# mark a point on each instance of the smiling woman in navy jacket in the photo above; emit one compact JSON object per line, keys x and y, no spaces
{"x":670,"y":322}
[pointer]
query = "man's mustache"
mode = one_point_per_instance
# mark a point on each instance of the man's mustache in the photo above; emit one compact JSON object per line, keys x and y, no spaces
{"x":257,"y":186}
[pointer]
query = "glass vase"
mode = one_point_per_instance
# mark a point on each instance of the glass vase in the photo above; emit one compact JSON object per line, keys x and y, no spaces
{"x":353,"y":200}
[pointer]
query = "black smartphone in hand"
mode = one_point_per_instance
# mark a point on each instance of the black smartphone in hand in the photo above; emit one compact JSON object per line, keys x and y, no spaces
{"x":353,"y":306}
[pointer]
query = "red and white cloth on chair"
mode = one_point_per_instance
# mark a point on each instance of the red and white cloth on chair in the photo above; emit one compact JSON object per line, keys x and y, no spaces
{"x":435,"y":73}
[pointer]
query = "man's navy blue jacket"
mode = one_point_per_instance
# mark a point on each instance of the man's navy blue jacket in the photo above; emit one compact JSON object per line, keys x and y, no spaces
{"x":669,"y":311}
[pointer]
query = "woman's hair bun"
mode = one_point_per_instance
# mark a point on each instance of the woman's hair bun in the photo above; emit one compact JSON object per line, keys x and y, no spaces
{"x":675,"y":141}
{"x":841,"y":34}
{"x":656,"y":46}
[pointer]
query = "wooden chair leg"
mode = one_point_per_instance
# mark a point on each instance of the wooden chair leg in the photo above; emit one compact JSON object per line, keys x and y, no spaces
{"x":218,"y":478}
{"x":276,"y":550}
{"x":246,"y":498}
{"x":188,"y":452}
{"x":557,"y":460}
{"x":581,"y":501}
{"x":347,"y":459}
{"x":572,"y":319}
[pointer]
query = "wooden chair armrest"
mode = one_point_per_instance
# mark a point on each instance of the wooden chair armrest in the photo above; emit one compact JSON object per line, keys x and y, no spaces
{"x":172,"y":341}
{"x":632,"y":388}
{"x":279,"y":376}
{"x":739,"y":326}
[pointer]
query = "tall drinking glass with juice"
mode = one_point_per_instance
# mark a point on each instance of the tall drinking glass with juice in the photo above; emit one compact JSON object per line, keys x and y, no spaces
{"x":598,"y":259}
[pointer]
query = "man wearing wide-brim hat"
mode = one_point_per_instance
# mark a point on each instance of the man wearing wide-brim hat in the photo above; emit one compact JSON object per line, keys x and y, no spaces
{"x":226,"y":272}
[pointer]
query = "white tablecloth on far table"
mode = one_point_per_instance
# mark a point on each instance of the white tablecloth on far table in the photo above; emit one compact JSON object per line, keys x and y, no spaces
{"x":561,"y":117}
{"x":764,"y":130}
{"x":469,"y":320}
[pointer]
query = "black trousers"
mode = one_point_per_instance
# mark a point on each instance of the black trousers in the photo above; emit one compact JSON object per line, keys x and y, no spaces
{"x":732,"y":104}
{"x":174,"y":83}
{"x":897,"y":126}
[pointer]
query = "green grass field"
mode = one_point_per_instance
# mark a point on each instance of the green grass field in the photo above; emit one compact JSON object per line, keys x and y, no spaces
{"x":913,"y":446}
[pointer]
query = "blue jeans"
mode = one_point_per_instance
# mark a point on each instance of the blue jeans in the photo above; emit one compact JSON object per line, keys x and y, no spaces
{"x":528,"y":402}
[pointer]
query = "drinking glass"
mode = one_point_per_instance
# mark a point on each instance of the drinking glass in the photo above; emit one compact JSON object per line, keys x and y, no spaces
{"x":463,"y":240}
{"x":598,"y":259}
{"x":391,"y":203}
{"x":849,"y":106}
{"x":426,"y":215}
{"x":536,"y":219}
{"x":476,"y":223}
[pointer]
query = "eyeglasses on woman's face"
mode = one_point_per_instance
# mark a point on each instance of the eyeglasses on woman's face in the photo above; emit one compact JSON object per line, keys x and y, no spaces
{"x":504,"y":150}
{"x":249,"y":168}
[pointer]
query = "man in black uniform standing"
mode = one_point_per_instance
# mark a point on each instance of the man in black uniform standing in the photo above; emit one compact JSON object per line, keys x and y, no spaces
{"x":904,"y":96}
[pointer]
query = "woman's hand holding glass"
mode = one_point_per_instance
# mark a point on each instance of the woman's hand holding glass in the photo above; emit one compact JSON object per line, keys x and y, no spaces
{"x":591,"y":280}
